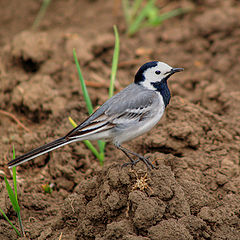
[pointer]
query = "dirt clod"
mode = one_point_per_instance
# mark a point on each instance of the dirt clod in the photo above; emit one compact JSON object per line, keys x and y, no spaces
{"x":194,"y":191}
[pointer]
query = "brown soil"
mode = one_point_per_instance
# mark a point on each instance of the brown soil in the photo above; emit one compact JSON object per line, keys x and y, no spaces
{"x":193,"y":193}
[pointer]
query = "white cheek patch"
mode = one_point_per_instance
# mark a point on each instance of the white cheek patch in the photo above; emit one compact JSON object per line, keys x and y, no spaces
{"x":150,"y":77}
{"x":147,"y":84}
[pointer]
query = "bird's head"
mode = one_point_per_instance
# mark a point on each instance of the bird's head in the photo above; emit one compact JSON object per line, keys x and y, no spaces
{"x":152,"y":74}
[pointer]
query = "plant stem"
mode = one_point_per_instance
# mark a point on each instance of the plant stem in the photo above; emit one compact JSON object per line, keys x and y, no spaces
{"x":114,"y":62}
{"x":20,"y":223}
{"x":101,"y":144}
{"x":86,"y":142}
{"x":41,"y":13}
{"x":136,"y":24}
{"x":136,"y":5}
{"x":83,"y":85}
{"x":168,"y":15}
{"x":5,"y":216}
{"x":92,"y":148}
{"x":126,"y":8}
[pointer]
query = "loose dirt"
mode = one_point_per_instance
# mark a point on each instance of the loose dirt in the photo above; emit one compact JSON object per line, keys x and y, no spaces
{"x":194,"y":191}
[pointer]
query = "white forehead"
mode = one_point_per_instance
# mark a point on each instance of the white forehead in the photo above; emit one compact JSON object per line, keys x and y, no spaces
{"x":163,"y":66}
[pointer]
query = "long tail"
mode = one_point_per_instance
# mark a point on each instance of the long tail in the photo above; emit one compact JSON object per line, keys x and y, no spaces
{"x":40,"y":151}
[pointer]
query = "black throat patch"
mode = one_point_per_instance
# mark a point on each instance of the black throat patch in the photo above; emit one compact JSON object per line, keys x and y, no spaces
{"x":162,"y":87}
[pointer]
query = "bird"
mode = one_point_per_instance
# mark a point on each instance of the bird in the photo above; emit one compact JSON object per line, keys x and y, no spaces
{"x":128,"y":114}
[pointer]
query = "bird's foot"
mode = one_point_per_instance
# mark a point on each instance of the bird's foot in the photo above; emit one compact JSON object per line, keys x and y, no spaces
{"x":149,"y":165}
{"x":132,"y":163}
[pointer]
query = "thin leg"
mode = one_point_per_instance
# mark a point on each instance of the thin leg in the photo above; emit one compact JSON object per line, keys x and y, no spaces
{"x":133,"y":162}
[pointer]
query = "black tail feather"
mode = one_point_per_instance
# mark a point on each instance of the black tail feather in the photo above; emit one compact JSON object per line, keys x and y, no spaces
{"x":39,"y":151}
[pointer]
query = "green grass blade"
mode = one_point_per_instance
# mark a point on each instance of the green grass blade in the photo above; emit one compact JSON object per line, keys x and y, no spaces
{"x":16,"y":195}
{"x":14,"y":154}
{"x":130,"y":10}
{"x":14,"y":199}
{"x":72,"y":122}
{"x":20,"y":223}
{"x":102,"y":144}
{"x":83,"y":85}
{"x":86,"y":142}
{"x":135,"y":26}
{"x":92,"y":148}
{"x":90,"y":109}
{"x":101,"y":157}
{"x":126,"y":9}
{"x":114,"y":62}
{"x":12,"y":196}
{"x":5,"y":216}
{"x":41,"y":13}
{"x":135,"y":7}
{"x":167,"y":15}
{"x":15,"y":177}
{"x":15,"y":182}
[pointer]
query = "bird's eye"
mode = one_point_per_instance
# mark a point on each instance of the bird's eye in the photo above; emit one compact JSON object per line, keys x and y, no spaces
{"x":157,"y":72}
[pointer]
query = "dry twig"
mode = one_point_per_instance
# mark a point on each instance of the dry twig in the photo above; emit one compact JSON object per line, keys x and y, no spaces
{"x":15,"y":119}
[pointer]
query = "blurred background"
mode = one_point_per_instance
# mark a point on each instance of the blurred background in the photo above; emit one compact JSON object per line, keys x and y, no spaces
{"x":197,"y":140}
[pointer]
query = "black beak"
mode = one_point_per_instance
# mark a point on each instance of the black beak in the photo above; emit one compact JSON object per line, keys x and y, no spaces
{"x":174,"y":70}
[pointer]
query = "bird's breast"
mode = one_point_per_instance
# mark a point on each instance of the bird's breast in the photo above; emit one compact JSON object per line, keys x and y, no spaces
{"x":141,"y":127}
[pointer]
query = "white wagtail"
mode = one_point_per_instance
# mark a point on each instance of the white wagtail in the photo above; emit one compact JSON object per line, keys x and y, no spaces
{"x":126,"y":115}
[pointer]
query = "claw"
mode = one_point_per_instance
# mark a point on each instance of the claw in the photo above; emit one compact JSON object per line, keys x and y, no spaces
{"x":148,"y":163}
{"x":132,"y":163}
